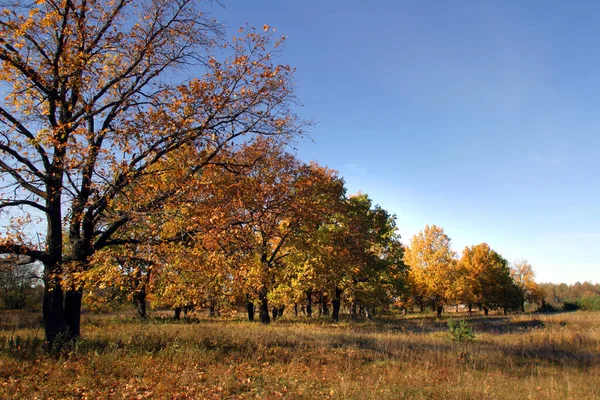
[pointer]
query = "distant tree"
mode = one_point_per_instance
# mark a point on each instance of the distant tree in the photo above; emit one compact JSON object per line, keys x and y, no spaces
{"x":489,"y":277}
{"x":432,"y":267}
{"x":524,"y":277}
{"x":19,"y":280}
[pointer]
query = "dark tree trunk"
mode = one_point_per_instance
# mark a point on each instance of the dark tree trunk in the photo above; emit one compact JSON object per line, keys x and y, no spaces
{"x":309,"y":303}
{"x":53,"y":305}
{"x":485,"y":311}
{"x":296,"y":310}
{"x":140,"y":300}
{"x":456,"y":307}
{"x":470,"y":308}
{"x":177,"y":313}
{"x":353,"y":311}
{"x":325,"y":304}
{"x":280,"y":311}
{"x":337,"y":301}
{"x":73,"y":311}
{"x":250,"y":308}
{"x":211,"y":309}
{"x":263,"y":308}
{"x":523,"y":306}
{"x":439,"y":310}
{"x":505,"y":310}
{"x":53,"y":311}
{"x":275,"y":312}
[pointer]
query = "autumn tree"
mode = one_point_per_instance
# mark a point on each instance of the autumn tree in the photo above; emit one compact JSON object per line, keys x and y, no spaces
{"x":355,"y":252}
{"x":93,"y":101}
{"x":524,"y":277}
{"x":489,"y":275}
{"x":368,"y":246}
{"x":432,"y":265}
{"x":276,"y":200}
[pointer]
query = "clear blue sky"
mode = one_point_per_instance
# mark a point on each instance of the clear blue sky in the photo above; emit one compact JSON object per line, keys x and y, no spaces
{"x":482,"y":117}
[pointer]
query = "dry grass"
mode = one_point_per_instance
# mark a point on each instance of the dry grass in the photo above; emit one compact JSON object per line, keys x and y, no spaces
{"x":537,"y":357}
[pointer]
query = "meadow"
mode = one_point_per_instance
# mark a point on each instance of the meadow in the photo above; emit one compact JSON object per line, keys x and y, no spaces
{"x":530,"y":356}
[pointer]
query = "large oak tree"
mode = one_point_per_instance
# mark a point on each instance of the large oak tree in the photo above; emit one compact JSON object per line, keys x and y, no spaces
{"x":95,"y":96}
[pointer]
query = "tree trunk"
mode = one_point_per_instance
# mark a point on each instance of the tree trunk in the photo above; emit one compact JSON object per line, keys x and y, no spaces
{"x":354,"y":310}
{"x":263,"y":308}
{"x":211,"y":309}
{"x":439,"y":310}
{"x":177,"y":313}
{"x":470,"y":308}
{"x":73,"y":311}
{"x":53,"y":305}
{"x":140,"y":300}
{"x":337,"y":301}
{"x":367,"y":313}
{"x":281,"y":310}
{"x":250,"y":308}
{"x":53,"y":311}
{"x":309,"y":303}
{"x":485,"y":311}
{"x":296,"y":310}
{"x":523,"y":306}
{"x":325,"y":306}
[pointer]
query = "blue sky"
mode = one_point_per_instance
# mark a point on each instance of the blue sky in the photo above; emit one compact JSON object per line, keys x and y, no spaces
{"x":481,"y":117}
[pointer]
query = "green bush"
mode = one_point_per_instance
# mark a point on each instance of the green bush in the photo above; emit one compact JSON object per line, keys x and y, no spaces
{"x":460,"y":331}
{"x":590,"y":303}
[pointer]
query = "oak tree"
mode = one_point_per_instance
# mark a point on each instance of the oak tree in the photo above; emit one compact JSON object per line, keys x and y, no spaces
{"x":97,"y":93}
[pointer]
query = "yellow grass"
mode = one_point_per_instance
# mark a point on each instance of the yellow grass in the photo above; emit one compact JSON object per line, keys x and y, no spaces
{"x":536,"y":357}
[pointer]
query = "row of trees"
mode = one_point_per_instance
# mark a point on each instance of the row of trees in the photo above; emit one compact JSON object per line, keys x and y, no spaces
{"x":257,"y":226}
{"x":480,"y":277}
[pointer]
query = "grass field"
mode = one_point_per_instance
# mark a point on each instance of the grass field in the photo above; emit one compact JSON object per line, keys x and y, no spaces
{"x":517,"y":357}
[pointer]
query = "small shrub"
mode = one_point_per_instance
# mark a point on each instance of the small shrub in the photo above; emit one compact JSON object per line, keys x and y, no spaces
{"x":460,"y":331}
{"x":546,"y":308}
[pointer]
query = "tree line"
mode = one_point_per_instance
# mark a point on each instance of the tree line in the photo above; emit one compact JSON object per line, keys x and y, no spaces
{"x":584,"y":295}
